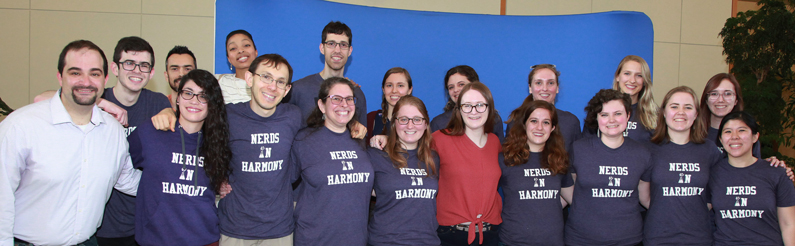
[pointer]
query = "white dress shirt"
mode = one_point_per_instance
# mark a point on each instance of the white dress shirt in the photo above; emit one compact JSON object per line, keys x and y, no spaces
{"x":55,"y":177}
{"x":234,"y":90}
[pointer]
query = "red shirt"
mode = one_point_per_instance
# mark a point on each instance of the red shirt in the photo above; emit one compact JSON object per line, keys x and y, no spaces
{"x":468,"y":180}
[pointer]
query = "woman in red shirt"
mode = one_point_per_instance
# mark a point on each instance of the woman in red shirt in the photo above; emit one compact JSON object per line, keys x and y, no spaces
{"x":468,"y":205}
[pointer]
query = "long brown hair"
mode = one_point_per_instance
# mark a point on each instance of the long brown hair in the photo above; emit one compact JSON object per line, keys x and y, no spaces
{"x":393,"y":147}
{"x":704,"y":113}
{"x":384,"y":103}
{"x":456,"y":125}
{"x":697,"y":131}
{"x":516,"y":149}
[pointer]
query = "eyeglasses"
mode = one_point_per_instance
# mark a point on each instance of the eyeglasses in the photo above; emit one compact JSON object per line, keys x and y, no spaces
{"x":337,"y":100}
{"x":332,"y":44}
{"x":268,"y":79}
{"x":405,"y":120}
{"x":480,"y":107}
{"x":188,"y":95}
{"x":727,"y":95}
{"x":130,"y":65}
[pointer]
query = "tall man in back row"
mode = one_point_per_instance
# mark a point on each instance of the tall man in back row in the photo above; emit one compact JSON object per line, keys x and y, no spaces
{"x":336,"y":45}
{"x":60,"y":158}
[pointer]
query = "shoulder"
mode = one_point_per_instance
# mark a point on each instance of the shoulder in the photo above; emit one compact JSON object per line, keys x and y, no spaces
{"x":443,"y":116}
{"x":153,"y":95}
{"x":308,"y":79}
{"x":373,"y":152}
{"x":636,"y":147}
{"x":289,"y":109}
{"x":25,"y":117}
{"x":373,"y":114}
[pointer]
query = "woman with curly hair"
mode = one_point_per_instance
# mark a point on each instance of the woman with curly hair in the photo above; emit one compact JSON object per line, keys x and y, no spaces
{"x":184,"y":169}
{"x":534,"y":167}
{"x":406,"y":180}
{"x":611,"y":175}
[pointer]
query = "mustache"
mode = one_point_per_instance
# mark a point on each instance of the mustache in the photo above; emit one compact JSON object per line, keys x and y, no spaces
{"x":90,"y":87}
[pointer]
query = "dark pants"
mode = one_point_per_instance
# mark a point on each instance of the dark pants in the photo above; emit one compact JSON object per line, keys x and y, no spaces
{"x":452,"y":237}
{"x":92,"y":241}
{"x":117,"y":241}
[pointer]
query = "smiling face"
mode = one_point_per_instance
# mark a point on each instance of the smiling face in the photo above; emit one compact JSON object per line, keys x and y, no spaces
{"x":544,"y":85}
{"x":192,"y":111}
{"x":539,"y":127}
{"x":722,"y":105}
{"x":410,"y":134}
{"x":630,"y":79}
{"x":455,"y":83}
{"x":177,"y":65}
{"x":240,"y":51}
{"x":680,"y":112}
{"x":337,"y":116}
{"x":612,"y":119}
{"x":336,"y":56}
{"x":395,"y":87}
{"x":265,"y":97}
{"x":134,"y":80}
{"x":82,"y":77}
{"x":737,"y":138}
{"x":474,"y":119}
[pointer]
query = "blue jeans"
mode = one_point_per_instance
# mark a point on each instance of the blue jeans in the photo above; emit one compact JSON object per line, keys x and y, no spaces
{"x":452,"y":237}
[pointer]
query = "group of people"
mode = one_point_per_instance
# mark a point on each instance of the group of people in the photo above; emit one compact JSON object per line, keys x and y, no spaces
{"x":291,"y":163}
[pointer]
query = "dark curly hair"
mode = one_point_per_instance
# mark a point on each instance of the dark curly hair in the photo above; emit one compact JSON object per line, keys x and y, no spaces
{"x":215,"y":139}
{"x":315,"y":119}
{"x":594,"y":106}
{"x":516,"y":150}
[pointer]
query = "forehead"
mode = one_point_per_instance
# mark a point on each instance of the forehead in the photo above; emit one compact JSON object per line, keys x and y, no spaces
{"x":681,"y":98}
{"x":84,"y":58}
{"x":455,"y":78}
{"x":337,"y":37}
{"x":138,"y":56}
{"x":541,"y":113}
{"x":725,"y":85}
{"x":180,"y":60}
{"x":473,"y":96}
{"x":544,"y":73}
{"x":631,"y":66}
{"x":341,"y":90}
{"x":238,"y":38}
{"x":735,"y":123}
{"x":396,"y":77}
{"x":613,"y":106}
{"x":280,"y":71}
{"x":192,"y":86}
{"x":409,"y":110}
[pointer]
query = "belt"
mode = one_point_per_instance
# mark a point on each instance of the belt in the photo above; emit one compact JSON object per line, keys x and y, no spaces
{"x":465,"y":227}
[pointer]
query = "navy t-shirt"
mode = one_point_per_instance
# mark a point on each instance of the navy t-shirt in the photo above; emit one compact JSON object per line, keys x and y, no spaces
{"x":304,"y":95}
{"x":405,"y":205}
{"x":746,"y":202}
{"x":260,"y":205}
{"x":605,"y":208}
{"x":568,"y":124}
{"x":531,"y":212}
{"x":712,"y":134}
{"x":119,"y":218}
{"x":440,"y":122}
{"x":176,"y":205}
{"x":678,"y":213}
{"x":334,"y":194}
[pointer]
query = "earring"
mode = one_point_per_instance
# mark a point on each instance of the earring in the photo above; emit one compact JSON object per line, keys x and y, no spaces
{"x":231,"y":67}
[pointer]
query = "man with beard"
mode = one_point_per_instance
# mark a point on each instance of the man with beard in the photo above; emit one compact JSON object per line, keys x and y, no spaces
{"x":60,"y":158}
{"x":179,"y":61}
{"x":336,"y":45}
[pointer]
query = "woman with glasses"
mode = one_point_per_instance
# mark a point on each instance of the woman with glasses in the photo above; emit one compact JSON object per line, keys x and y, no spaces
{"x":183,"y":170}
{"x":337,"y":177}
{"x":721,"y":96}
{"x":240,"y":52}
{"x":633,"y":77}
{"x":468,"y":205}
{"x":611,"y":175}
{"x":454,"y":82}
{"x":396,"y":84}
{"x":534,"y":167}
{"x":543,"y":84}
{"x":682,"y":160}
{"x":406,"y":180}
{"x":754,"y":203}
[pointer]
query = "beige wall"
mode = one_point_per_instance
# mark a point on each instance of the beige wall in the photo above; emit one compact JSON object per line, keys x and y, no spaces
{"x":687,"y":49}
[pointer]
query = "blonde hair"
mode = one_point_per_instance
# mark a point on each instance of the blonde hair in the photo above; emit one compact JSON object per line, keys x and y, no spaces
{"x":647,"y":108}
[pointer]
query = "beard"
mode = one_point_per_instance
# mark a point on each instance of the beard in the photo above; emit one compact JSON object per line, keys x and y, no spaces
{"x":175,"y":84}
{"x":84,"y":101}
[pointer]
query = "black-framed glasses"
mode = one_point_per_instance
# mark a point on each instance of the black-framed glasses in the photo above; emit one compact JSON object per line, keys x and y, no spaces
{"x":130,"y":65}
{"x":480,"y":107}
{"x":188,"y":95}
{"x":268,"y":79}
{"x":405,"y":120}
{"x":727,"y":95}
{"x":342,"y":45}
{"x":337,"y":100}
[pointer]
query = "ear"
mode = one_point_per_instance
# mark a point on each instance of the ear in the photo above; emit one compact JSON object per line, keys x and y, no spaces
{"x":152,"y":73}
{"x":287,"y":89}
{"x":350,"y":50}
{"x":321,"y":49}
{"x":553,"y":128}
{"x":530,"y":89}
{"x":60,"y":79}
{"x":114,"y":67}
{"x":249,"y":79}
{"x":557,"y":90}
{"x":410,"y":90}
{"x":321,"y":106}
{"x":165,"y":75}
{"x":755,"y":137}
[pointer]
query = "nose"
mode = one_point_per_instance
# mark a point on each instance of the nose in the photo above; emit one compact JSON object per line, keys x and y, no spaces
{"x":272,"y":86}
{"x":538,"y":126}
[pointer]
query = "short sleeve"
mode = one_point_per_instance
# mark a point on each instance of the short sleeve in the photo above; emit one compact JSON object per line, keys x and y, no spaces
{"x":566,"y":181}
{"x":785,"y":191}
{"x":136,"y":148}
{"x":646,"y":176}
